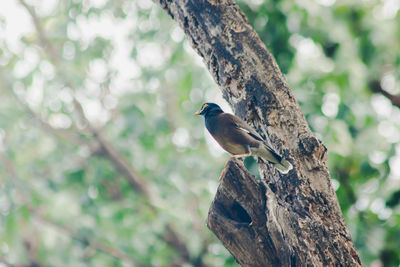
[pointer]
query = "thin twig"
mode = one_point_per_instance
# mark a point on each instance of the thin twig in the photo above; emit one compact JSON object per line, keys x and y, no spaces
{"x":42,"y":36}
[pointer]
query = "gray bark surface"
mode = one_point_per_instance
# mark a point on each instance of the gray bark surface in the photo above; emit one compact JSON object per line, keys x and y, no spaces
{"x":282,"y":220}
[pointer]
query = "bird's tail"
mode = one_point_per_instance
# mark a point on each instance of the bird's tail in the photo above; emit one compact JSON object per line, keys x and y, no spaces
{"x":284,"y":166}
{"x":268,"y":154}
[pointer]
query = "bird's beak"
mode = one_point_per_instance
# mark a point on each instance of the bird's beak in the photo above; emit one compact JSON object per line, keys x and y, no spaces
{"x":201,"y":110}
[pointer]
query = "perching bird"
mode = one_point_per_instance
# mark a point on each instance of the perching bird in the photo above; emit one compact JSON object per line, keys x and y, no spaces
{"x":238,"y":138}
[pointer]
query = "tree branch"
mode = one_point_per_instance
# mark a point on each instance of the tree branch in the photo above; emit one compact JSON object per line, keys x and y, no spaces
{"x":238,"y":194}
{"x":296,"y":216}
{"x":42,"y":36}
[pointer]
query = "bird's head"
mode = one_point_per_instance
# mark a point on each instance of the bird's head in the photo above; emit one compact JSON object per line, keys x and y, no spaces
{"x":209,"y":109}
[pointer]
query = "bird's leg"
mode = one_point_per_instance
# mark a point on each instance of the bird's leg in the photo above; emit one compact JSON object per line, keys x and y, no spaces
{"x":223,"y":172}
{"x":220,"y":177}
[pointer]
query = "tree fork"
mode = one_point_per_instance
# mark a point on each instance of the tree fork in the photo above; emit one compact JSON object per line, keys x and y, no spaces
{"x":282,"y":220}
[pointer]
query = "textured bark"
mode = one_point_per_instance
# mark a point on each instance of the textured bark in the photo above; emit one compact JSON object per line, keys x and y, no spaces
{"x":282,"y":220}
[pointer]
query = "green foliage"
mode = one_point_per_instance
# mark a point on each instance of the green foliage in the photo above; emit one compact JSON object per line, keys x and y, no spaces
{"x":65,"y":201}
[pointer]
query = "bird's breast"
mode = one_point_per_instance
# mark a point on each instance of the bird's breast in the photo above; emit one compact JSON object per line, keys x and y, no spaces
{"x":224,"y":136}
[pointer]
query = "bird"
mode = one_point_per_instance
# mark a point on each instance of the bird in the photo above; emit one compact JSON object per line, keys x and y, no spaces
{"x":235,"y":136}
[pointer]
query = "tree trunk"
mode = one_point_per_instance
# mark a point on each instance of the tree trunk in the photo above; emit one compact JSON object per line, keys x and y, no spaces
{"x":282,"y":220}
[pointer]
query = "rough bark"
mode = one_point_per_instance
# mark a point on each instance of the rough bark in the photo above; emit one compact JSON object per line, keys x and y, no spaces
{"x":282,"y":220}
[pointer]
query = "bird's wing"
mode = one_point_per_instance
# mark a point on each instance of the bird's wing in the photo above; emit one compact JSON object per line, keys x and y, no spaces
{"x":243,"y":126}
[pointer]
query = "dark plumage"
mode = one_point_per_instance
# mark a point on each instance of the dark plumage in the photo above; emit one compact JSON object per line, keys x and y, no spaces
{"x":238,"y":138}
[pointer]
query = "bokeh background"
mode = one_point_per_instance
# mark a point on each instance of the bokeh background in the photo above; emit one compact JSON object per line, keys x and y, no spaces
{"x":102,"y":163}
